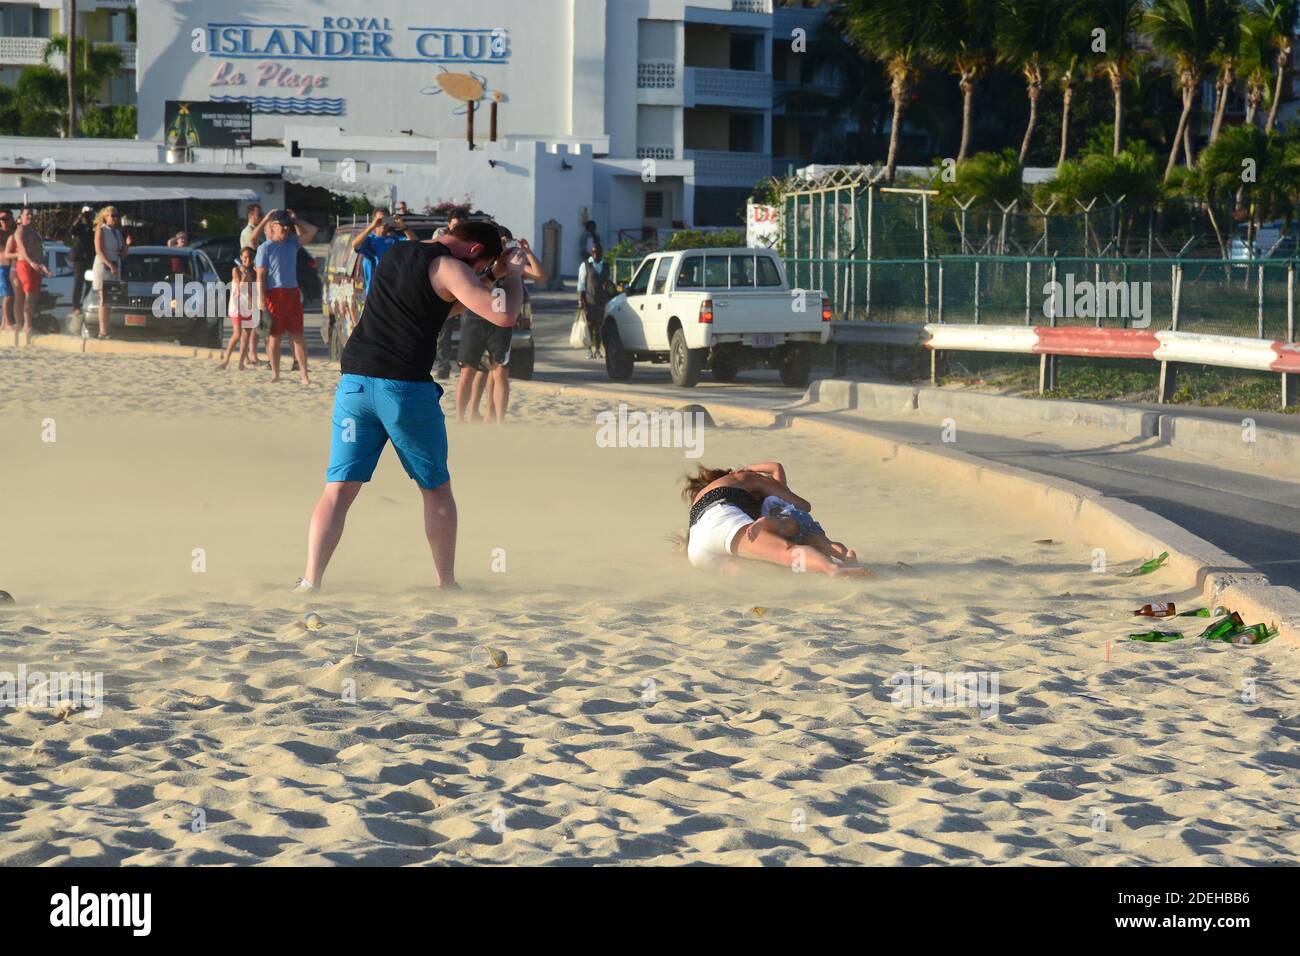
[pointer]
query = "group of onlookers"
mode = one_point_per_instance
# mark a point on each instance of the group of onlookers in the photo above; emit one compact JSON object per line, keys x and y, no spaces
{"x":264,"y":282}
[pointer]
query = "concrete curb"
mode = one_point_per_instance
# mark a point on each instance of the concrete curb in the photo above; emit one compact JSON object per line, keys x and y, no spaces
{"x":1182,"y":430}
{"x":1119,"y":525}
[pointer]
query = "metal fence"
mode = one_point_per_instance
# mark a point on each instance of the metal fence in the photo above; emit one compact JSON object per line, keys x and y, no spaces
{"x":1241,"y":298}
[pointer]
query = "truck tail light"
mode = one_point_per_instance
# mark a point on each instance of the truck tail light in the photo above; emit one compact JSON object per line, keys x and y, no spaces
{"x":827,"y":314}
{"x":706,"y":312}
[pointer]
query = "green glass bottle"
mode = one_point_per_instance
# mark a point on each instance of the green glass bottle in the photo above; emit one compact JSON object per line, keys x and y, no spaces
{"x":1218,"y":611}
{"x":1217,"y":630}
{"x":1148,"y":566}
{"x":1156,"y":637}
{"x":1251,"y":636}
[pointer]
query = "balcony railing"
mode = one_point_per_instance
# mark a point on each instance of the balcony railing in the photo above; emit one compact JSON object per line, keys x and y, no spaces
{"x":656,"y":152}
{"x":30,"y":51}
{"x":751,"y":6}
{"x":22,"y":51}
{"x":729,"y":87}
{"x":719,"y":168}
{"x":656,"y":75}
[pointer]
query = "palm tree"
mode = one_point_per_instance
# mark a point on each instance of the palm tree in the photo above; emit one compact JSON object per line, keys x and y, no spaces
{"x":1030,"y":37}
{"x":964,"y":42}
{"x":1255,"y":61}
{"x":1227,"y":49}
{"x":1112,"y":49}
{"x":1185,"y":30}
{"x":1072,"y":47}
{"x":1282,"y":17}
{"x":97,"y":63}
{"x":898,"y":33}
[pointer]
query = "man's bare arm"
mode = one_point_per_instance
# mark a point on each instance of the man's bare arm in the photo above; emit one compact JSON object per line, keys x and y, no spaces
{"x":453,"y":280}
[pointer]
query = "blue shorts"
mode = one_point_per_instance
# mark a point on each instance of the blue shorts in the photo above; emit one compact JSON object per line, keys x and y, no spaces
{"x":5,"y":288}
{"x":370,"y":412}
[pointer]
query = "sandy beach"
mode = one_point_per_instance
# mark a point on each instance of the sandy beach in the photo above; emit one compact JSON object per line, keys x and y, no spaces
{"x":649,"y":713}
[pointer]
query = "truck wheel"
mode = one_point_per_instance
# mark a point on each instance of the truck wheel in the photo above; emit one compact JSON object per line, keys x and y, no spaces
{"x":336,"y":350}
{"x":520,"y":365}
{"x":724,"y":371}
{"x":685,"y":363}
{"x":796,"y":368}
{"x":618,"y":364}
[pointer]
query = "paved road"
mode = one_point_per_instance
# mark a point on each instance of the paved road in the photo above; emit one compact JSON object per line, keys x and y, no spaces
{"x":1257,"y":520}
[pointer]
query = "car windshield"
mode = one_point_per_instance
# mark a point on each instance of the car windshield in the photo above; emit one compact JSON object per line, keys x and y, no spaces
{"x":154,"y":268}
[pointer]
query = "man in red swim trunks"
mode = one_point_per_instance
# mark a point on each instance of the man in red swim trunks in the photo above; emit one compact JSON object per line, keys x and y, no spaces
{"x":29,"y":269}
{"x":277,"y":277}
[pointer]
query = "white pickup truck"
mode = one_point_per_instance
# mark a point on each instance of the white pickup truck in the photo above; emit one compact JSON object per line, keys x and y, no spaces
{"x":725,"y":309}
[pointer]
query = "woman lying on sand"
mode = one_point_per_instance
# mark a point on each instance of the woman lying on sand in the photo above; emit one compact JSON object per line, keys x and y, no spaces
{"x":752,"y":513}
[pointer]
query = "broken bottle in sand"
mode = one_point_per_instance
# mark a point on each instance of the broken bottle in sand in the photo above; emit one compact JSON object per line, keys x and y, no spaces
{"x":1250,"y":636}
{"x":1220,"y":629}
{"x":1218,"y":611}
{"x":1148,"y":566}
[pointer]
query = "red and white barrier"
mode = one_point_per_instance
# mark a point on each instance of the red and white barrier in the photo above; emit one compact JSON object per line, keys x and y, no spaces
{"x":1226,"y":351}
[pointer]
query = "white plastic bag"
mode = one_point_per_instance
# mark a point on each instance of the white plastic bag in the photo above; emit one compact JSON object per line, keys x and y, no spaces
{"x":579,"y":335}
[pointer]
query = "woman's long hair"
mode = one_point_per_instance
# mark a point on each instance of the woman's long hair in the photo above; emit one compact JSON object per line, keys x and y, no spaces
{"x":102,"y":216}
{"x":701,"y":480}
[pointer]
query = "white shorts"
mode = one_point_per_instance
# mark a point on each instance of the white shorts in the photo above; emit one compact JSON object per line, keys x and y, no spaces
{"x":708,"y":544}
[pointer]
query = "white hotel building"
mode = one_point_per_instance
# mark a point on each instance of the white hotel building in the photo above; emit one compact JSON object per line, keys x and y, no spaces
{"x":372,"y":98}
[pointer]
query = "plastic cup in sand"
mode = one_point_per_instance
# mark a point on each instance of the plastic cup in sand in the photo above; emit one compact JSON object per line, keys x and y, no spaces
{"x":493,"y":657}
{"x":313,"y":622}
{"x":1157,"y":637}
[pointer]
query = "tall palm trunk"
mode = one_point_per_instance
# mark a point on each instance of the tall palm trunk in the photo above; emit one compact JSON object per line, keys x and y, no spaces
{"x":1034,"y":87}
{"x":1254,"y":97}
{"x":898,"y":87}
{"x":1221,"y":91}
{"x":1188,"y":80}
{"x":1283,"y":58}
{"x":967,"y":110}
{"x":1115,"y":71}
{"x":1067,"y":96}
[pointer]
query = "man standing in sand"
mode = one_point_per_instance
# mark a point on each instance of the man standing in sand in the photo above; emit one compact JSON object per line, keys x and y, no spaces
{"x":387,"y":392}
{"x":29,"y":269}
{"x":6,"y":286}
{"x":277,"y":280}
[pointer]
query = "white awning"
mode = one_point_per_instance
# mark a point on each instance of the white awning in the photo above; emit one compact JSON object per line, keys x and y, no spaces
{"x":98,"y":195}
{"x":377,"y":193}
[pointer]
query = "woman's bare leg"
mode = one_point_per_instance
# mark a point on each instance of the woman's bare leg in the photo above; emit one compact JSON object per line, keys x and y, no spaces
{"x":780,"y":526}
{"x":760,"y":544}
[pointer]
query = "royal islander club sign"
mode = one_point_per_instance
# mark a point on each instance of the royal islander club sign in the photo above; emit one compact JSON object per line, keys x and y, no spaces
{"x":290,"y":68}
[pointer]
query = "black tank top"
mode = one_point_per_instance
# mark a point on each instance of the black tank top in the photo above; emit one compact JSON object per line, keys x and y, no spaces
{"x":397,"y":336}
{"x":727,"y":494}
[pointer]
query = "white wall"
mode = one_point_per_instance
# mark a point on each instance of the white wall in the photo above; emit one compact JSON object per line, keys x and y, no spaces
{"x":548,"y":71}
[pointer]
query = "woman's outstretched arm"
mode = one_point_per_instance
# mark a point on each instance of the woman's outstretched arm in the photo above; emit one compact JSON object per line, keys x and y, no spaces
{"x":773,"y":469}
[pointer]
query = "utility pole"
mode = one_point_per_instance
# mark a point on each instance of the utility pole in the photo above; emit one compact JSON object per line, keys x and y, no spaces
{"x":71,"y":35}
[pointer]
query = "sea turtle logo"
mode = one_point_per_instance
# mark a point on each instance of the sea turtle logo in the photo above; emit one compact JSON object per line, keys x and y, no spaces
{"x":466,"y":87}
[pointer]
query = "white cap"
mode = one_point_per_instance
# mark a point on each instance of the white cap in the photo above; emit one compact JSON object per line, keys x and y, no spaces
{"x":86,"y":209}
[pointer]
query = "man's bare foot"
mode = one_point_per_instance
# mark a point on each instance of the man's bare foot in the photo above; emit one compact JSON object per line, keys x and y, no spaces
{"x":306,"y":380}
{"x":449,"y":586}
{"x":275,"y":378}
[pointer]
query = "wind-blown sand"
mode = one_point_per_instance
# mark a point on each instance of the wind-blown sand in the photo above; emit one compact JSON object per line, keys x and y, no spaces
{"x":647,"y":714}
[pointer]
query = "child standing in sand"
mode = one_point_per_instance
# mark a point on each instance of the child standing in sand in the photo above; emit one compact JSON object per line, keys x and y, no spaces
{"x":243,"y":292}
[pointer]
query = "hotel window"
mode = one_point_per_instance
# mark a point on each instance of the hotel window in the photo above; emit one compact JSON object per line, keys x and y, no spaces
{"x":654,"y":204}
